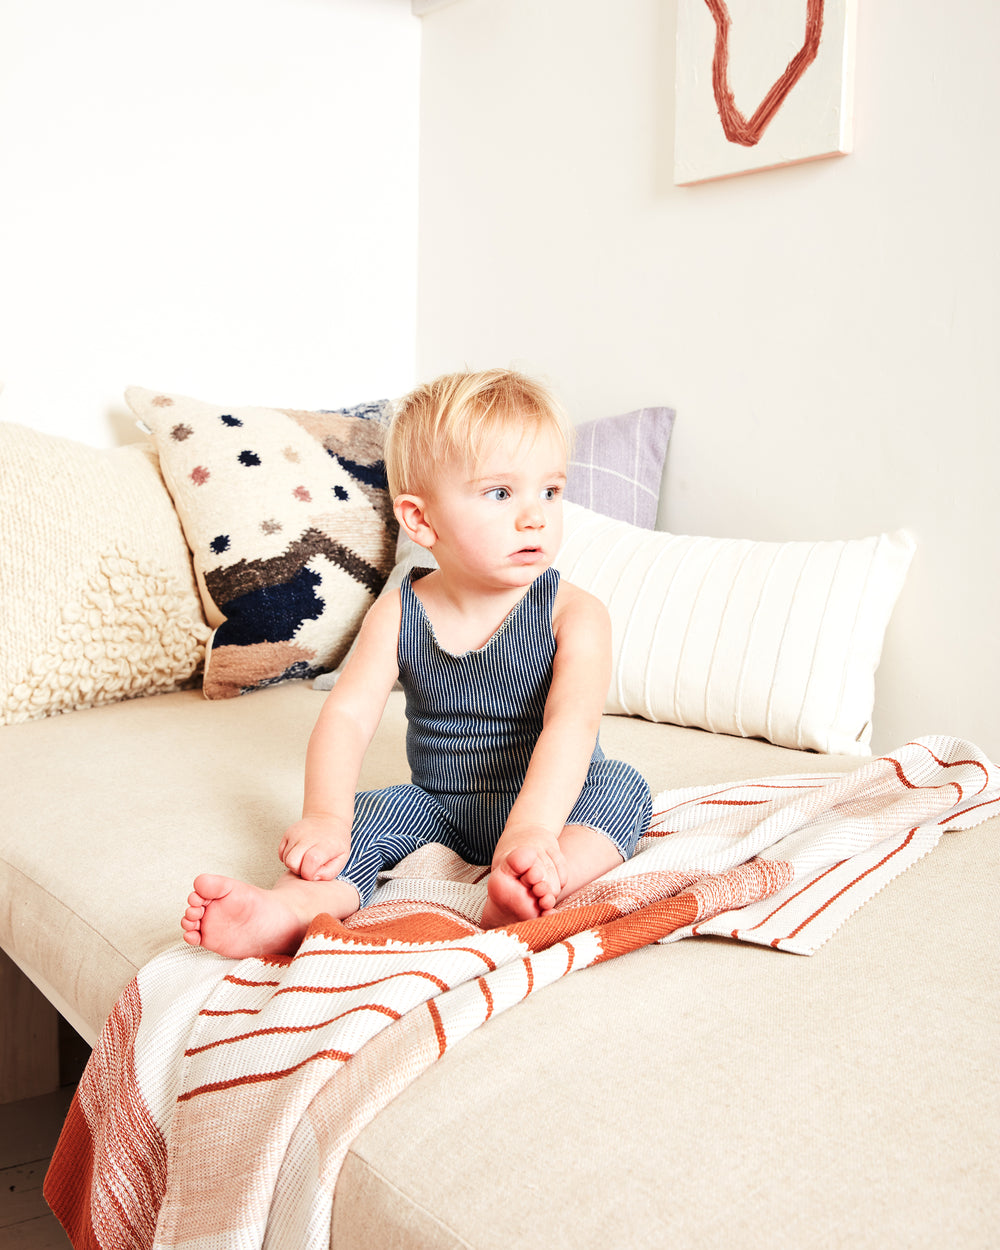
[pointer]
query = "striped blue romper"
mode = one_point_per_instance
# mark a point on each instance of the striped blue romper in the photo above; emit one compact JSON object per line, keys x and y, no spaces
{"x":472,"y":724}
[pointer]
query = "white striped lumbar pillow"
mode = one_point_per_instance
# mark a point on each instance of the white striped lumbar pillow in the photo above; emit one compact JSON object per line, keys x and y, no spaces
{"x":761,"y":639}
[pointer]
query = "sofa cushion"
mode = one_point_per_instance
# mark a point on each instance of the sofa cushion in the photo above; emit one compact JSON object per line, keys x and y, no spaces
{"x":209,"y":787}
{"x":99,"y":599}
{"x":773,"y":640}
{"x":801,"y":1092}
{"x":616,"y":465}
{"x":288,"y":517}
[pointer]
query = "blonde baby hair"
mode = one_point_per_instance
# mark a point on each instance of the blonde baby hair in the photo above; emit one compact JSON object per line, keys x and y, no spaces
{"x":460,"y":417}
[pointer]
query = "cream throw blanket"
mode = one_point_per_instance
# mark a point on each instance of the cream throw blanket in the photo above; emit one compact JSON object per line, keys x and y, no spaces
{"x":223,"y":1095}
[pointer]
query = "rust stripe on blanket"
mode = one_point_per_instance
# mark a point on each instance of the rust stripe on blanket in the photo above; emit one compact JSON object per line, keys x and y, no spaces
{"x":430,"y":927}
{"x":708,"y":800}
{"x":737,"y":887}
{"x":88,"y":1176}
{"x":259,"y":1078}
{"x":361,"y":985}
{"x":790,"y":899}
{"x":954,"y":764}
{"x":67,"y":1190}
{"x":958,"y":764}
{"x":850,"y":886}
{"x":329,"y":989}
{"x":973,"y":807}
{"x":280,"y":1029}
{"x":646,"y":926}
{"x":616,"y":932}
{"x":234,"y":1011}
{"x":735,"y":803}
{"x":442,"y":1038}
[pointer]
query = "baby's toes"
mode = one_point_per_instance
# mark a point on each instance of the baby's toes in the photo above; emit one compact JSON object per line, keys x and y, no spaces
{"x":544,"y":896}
{"x":534,"y":875}
{"x":520,"y":860}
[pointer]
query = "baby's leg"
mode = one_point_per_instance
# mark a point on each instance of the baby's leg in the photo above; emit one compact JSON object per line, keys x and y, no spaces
{"x":236,"y":919}
{"x":522,"y":886}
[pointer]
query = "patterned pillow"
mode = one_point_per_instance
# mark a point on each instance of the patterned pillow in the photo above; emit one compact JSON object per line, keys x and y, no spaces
{"x":617,"y":465}
{"x":288,"y":517}
{"x":759,"y":639}
{"x":98,"y":596}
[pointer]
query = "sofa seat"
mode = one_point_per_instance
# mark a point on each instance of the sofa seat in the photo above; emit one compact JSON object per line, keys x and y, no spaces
{"x":697,"y":1094}
{"x":123,"y":843}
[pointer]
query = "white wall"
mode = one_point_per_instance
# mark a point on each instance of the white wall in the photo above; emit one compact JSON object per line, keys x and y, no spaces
{"x":828,"y":333}
{"x":216,"y":197}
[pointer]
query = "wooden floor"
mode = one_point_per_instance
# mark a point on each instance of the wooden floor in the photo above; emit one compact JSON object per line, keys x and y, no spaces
{"x":28,"y":1134}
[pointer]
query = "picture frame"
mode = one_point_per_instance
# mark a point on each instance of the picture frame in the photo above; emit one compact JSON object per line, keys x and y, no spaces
{"x":761,"y":84}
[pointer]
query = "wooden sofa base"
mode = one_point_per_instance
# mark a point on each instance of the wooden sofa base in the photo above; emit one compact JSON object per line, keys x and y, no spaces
{"x":39,"y":1050}
{"x":29,"y":1037}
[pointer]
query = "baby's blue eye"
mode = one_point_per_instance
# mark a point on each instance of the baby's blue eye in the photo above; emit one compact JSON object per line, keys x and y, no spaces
{"x":499,"y":493}
{"x":550,"y":493}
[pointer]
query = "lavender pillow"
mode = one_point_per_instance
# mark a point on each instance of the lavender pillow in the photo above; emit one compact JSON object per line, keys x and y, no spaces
{"x":617,"y":465}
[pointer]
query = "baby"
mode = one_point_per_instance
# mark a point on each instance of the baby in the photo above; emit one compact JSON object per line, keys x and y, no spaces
{"x":505,"y":669}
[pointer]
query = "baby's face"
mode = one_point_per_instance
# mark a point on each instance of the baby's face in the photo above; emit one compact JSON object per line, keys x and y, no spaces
{"x":499,"y":521}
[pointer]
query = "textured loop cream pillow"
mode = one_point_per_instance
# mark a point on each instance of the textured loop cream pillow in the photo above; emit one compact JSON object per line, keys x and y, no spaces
{"x":96,"y":587}
{"x":772,"y":640}
{"x":288,"y":517}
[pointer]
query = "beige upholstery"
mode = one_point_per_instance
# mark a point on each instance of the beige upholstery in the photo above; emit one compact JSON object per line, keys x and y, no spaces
{"x":123,"y":844}
{"x":708,"y":1095}
{"x":700,"y":1094}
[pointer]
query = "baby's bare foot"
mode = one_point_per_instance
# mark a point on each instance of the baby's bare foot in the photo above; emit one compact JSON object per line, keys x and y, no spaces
{"x":518,"y":889}
{"x":236,"y":919}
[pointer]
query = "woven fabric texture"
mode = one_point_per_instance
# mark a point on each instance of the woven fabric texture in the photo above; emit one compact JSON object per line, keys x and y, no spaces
{"x":289,"y":520}
{"x":98,"y":594}
{"x":617,"y":464}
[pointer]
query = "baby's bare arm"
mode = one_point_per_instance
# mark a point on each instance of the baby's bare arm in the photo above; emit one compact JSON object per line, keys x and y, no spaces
{"x":316,"y":847}
{"x":580,"y":676}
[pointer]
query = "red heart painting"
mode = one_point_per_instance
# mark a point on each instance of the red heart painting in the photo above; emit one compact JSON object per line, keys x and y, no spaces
{"x":737,"y":128}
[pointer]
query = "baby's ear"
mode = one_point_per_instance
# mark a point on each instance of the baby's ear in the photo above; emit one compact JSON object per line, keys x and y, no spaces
{"x":411,"y":513}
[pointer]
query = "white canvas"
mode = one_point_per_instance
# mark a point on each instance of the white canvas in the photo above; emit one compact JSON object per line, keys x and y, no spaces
{"x":761,"y":83}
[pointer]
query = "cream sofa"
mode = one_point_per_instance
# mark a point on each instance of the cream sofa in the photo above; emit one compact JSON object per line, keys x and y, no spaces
{"x":699,"y":1094}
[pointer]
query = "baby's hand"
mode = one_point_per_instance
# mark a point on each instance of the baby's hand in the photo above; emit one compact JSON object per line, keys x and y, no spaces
{"x":315,"y":848}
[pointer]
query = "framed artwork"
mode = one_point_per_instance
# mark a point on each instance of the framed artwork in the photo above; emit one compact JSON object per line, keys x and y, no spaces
{"x":762,"y":83}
